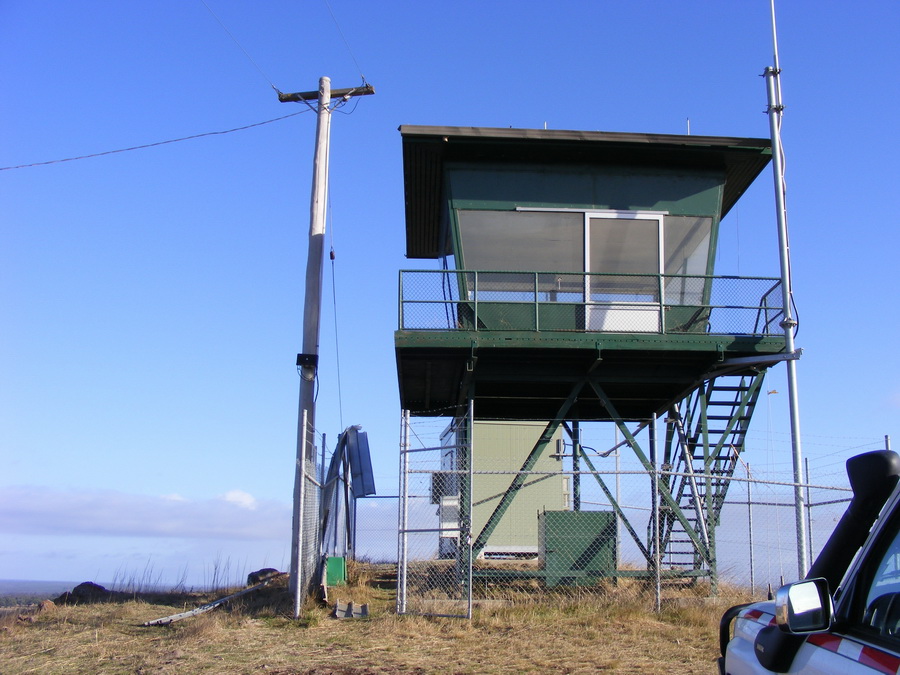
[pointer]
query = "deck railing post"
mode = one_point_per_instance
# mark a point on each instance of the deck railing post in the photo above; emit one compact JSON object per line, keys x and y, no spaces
{"x":662,"y":303}
{"x":475,"y":301}
{"x":400,"y":301}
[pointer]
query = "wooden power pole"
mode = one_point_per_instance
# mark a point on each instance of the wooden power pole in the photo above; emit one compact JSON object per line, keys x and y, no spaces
{"x":308,"y":360}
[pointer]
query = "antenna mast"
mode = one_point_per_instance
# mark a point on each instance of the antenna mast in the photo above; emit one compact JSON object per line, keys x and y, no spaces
{"x":789,"y":323}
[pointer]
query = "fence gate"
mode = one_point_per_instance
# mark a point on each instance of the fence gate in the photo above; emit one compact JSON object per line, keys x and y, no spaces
{"x":435,"y":542}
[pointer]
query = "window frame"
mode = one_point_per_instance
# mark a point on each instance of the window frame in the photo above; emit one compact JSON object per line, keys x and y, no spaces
{"x":851,"y":598}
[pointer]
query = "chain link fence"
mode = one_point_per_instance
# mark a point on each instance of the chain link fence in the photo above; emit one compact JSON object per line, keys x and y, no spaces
{"x":486,"y":530}
{"x":376,"y":528}
{"x":306,"y":535}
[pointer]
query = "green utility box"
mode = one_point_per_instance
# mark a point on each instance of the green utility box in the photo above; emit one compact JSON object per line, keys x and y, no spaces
{"x":335,"y":571}
{"x":577,"y":548}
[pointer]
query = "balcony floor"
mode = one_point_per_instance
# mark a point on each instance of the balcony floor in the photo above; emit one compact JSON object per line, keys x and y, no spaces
{"x":527,"y":376}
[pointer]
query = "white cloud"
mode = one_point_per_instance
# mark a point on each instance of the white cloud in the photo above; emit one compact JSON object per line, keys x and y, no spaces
{"x":240,"y":498}
{"x":235,"y":516}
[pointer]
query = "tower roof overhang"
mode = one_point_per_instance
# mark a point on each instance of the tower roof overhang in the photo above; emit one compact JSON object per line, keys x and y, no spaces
{"x":428,"y":149}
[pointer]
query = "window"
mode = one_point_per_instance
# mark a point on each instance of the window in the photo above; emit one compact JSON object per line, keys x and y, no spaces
{"x":584,"y":241}
{"x":882,"y":605}
{"x":607,"y":262}
{"x":624,"y":254}
{"x":686,"y":248}
{"x":522,"y":240}
{"x":870,"y":607}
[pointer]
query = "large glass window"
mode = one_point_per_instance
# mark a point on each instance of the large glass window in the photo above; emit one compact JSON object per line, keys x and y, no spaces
{"x":609,"y":260}
{"x":522,"y":240}
{"x":686,"y":248}
{"x":687,"y":244}
{"x":528,"y":241}
{"x":624,"y":246}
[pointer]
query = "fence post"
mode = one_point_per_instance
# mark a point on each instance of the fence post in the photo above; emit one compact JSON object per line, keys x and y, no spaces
{"x":657,"y":554}
{"x":403,"y":513}
{"x":618,"y":496}
{"x":298,"y":580}
{"x":750,"y":529}
{"x":471,"y":463}
{"x":808,"y":511}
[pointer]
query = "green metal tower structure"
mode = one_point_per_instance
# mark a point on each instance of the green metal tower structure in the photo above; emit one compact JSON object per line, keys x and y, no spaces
{"x":577,"y":284}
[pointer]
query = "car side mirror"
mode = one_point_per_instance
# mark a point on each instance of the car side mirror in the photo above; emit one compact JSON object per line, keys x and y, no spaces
{"x":804,"y":607}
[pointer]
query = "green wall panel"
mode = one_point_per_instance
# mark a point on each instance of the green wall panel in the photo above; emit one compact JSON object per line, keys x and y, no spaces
{"x":604,"y":188}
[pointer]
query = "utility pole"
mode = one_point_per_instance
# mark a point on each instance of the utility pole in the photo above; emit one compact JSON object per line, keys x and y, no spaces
{"x":308,"y":360}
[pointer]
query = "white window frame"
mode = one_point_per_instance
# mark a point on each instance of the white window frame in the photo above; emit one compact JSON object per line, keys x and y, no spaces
{"x":594,"y":314}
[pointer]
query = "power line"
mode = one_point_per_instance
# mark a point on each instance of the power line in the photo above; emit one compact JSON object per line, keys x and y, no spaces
{"x":337,"y":342}
{"x":153,"y":145}
{"x":347,"y":44}
{"x":241,"y":47}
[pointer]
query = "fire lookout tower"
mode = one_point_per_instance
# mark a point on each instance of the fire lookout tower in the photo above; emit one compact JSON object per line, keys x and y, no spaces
{"x":577,"y":284}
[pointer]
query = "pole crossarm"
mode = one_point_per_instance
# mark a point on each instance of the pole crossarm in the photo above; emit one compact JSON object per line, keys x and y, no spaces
{"x":362,"y":90}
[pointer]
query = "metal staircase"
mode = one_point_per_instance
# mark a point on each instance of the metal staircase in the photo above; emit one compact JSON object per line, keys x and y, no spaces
{"x":703,"y":442}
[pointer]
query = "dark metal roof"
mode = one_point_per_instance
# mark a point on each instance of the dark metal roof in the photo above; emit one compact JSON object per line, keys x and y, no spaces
{"x":427,"y":149}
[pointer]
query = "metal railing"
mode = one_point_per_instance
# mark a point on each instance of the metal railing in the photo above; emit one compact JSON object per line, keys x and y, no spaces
{"x":468,"y":300}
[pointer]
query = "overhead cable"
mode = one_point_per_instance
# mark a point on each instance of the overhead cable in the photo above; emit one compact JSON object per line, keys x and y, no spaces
{"x":152,"y":145}
{"x":240,"y":46}
{"x":347,"y":44}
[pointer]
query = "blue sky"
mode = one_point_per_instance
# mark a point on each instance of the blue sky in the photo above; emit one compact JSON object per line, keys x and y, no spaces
{"x":151,"y":301}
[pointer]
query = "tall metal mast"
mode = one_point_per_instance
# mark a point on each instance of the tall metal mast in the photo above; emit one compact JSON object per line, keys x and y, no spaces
{"x":309,"y":359}
{"x":789,"y":323}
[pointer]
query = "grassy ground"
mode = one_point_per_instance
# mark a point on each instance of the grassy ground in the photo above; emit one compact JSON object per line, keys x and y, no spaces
{"x":256,"y":636}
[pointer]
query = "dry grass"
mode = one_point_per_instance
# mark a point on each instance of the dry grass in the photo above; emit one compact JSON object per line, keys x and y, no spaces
{"x":573,"y":636}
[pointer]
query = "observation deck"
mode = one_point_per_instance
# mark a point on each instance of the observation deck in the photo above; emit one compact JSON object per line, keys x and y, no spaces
{"x":574,"y":257}
{"x":646,"y":339}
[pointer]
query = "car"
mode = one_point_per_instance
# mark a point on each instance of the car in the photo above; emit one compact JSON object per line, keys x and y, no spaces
{"x":844,"y":617}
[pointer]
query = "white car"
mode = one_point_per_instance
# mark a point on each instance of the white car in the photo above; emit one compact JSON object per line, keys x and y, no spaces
{"x":855,"y":630}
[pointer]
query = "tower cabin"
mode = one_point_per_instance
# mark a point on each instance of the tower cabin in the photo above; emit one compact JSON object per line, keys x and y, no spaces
{"x":567,"y":257}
